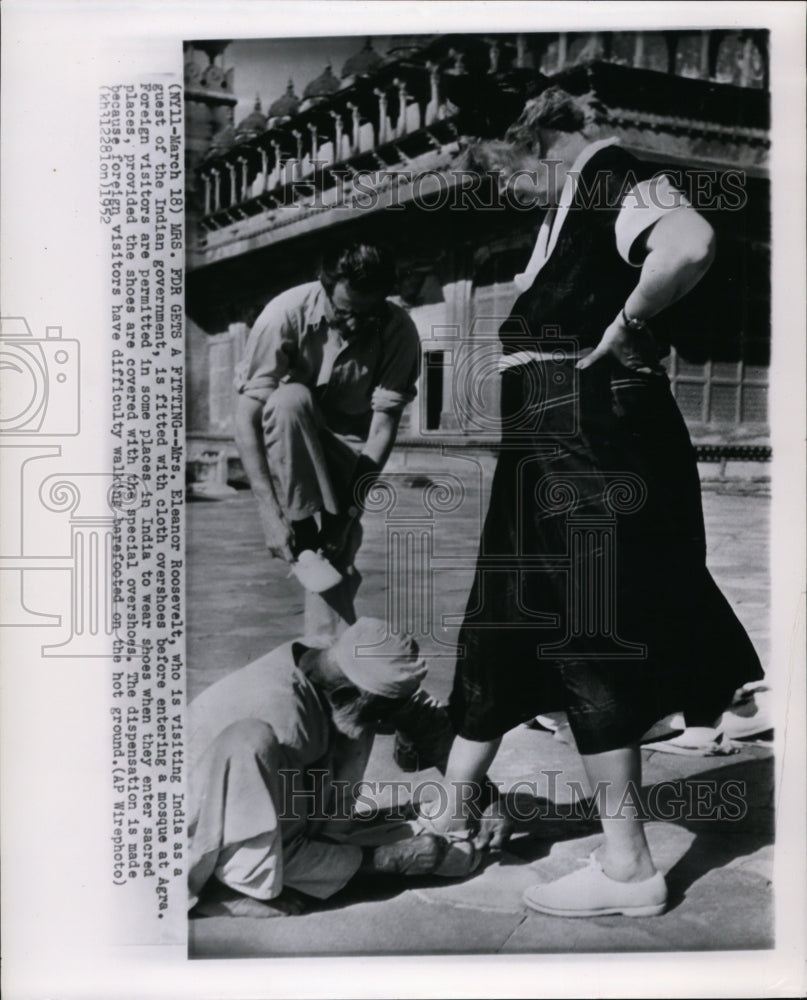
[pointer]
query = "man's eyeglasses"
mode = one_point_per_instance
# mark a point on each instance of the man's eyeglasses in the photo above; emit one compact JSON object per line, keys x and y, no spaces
{"x":357,"y":319}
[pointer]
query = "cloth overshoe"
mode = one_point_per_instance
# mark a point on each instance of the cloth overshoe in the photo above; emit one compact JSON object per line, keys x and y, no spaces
{"x":314,"y":572}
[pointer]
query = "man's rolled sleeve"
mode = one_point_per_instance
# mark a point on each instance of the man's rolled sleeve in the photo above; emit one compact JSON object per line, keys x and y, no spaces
{"x":398,"y":376}
{"x":269,"y":353}
{"x":390,"y":401}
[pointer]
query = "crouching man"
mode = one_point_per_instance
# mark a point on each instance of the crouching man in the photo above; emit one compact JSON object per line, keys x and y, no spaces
{"x":327,"y":371}
{"x":278,"y":748}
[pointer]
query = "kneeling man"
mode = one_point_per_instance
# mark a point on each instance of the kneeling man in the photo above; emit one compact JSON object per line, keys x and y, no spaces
{"x":277,"y":748}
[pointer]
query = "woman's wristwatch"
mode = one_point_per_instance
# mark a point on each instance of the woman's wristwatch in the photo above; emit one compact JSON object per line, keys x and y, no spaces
{"x":637,"y":325}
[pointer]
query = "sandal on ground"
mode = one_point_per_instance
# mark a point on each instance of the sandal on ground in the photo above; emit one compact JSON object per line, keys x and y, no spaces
{"x":591,"y":893}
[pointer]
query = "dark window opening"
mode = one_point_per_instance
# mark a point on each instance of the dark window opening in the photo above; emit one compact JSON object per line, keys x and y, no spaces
{"x":433,"y":379}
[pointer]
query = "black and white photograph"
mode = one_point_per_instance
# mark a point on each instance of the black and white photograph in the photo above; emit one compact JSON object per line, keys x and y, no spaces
{"x":478,"y":342}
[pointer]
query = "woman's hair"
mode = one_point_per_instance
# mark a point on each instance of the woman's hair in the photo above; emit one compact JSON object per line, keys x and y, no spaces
{"x":367,"y":268}
{"x":554,"y":109}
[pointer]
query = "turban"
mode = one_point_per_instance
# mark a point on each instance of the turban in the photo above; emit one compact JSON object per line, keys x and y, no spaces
{"x":377,"y":662}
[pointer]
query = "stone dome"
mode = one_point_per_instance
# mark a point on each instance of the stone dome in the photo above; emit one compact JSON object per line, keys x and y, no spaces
{"x":364,"y":62}
{"x":254,"y":123}
{"x":324,"y":85}
{"x":287,"y":105}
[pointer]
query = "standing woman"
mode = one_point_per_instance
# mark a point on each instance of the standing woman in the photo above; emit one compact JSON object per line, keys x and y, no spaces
{"x":591,"y":435}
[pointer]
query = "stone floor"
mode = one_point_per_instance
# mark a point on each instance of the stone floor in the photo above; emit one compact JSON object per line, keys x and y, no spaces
{"x":718,"y":870}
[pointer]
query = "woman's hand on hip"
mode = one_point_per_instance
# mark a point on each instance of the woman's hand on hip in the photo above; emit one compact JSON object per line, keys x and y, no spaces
{"x":633,"y":349}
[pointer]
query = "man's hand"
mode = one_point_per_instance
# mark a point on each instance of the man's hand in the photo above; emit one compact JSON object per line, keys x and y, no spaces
{"x":634,"y":349}
{"x":495,"y":827}
{"x":277,"y":533}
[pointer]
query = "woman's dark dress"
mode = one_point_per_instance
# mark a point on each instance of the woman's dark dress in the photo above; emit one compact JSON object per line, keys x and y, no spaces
{"x":597,"y":478}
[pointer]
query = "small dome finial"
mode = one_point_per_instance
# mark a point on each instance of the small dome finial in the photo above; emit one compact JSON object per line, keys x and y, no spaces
{"x":286,"y":105}
{"x":324,"y":85}
{"x":364,"y":62}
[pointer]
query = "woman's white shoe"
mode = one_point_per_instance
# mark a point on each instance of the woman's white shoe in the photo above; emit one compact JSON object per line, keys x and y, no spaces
{"x":591,"y":893}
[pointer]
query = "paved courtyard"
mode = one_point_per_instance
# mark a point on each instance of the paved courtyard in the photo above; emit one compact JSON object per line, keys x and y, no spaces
{"x":241,"y":603}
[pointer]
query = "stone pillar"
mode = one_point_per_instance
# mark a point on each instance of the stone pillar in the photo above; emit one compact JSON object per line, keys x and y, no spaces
{"x":433,"y":107}
{"x":355,"y":135}
{"x":216,"y":190}
{"x":297,"y":164}
{"x":400,"y":128}
{"x":277,"y":167}
{"x":337,"y":136}
{"x":233,"y":194}
{"x":264,"y":171}
{"x":314,"y":144}
{"x":244,"y":177}
{"x":382,"y":115}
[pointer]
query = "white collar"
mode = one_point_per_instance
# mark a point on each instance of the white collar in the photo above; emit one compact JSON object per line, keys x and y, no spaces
{"x":551,"y":226}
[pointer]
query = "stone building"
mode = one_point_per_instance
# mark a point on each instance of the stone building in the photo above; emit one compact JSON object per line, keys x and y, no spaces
{"x":377,"y":151}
